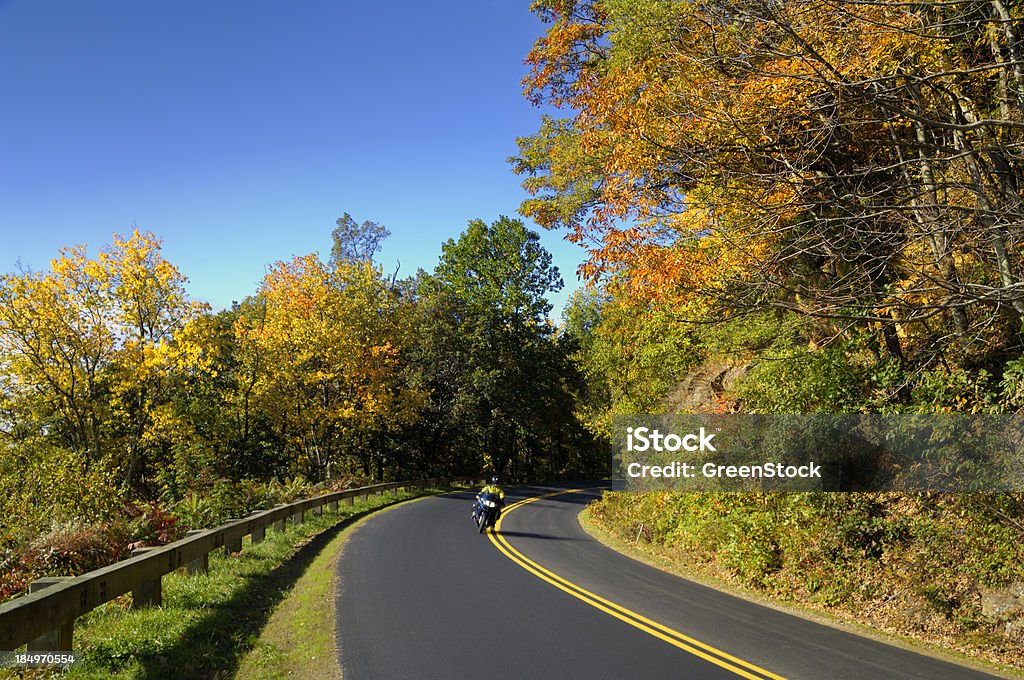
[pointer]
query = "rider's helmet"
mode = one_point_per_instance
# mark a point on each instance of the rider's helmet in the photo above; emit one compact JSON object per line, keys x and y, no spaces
{"x":494,"y":479}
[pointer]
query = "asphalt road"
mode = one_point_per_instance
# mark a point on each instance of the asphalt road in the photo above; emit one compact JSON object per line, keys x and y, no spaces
{"x":422,"y":595}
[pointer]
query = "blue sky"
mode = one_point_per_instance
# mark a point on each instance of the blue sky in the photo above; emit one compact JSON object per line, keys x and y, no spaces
{"x":239,"y":131}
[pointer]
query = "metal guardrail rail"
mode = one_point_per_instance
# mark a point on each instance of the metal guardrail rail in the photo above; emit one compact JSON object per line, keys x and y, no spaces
{"x":44,"y":618}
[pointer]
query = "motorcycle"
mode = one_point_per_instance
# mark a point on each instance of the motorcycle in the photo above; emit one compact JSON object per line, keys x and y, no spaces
{"x":488,"y":507}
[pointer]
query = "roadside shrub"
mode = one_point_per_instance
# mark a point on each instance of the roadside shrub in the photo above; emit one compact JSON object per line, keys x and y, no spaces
{"x":791,"y":379}
{"x":70,"y":548}
{"x":14,"y":575}
{"x":196,"y":511}
{"x":752,"y":551}
{"x":40,"y":483}
{"x":151,"y":524}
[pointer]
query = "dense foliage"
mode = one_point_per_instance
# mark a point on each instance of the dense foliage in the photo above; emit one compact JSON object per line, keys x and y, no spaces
{"x":912,"y":564}
{"x":853,"y":166}
{"x":117,"y":392}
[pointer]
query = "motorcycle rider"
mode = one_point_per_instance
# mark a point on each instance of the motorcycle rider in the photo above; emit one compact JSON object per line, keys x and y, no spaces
{"x":493,"y":489}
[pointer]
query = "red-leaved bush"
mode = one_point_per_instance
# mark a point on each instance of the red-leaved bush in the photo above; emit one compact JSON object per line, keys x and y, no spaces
{"x":74,"y":547}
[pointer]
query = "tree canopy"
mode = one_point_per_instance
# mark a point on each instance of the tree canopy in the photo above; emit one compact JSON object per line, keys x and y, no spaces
{"x":116,"y":388}
{"x":855,"y":165}
{"x":852,"y":161}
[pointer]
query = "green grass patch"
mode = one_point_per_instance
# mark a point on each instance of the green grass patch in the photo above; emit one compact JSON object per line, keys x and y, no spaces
{"x":209,"y":623}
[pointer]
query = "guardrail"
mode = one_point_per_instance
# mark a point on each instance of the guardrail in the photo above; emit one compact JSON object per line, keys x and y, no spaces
{"x":44,"y":618}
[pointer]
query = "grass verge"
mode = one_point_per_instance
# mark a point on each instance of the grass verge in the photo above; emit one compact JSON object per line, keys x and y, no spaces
{"x":209,"y":624}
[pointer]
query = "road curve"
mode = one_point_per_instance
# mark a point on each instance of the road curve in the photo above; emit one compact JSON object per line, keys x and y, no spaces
{"x":422,"y":595}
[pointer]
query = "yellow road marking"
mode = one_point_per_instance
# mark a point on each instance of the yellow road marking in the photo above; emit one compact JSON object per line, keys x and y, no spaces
{"x":738,"y":666}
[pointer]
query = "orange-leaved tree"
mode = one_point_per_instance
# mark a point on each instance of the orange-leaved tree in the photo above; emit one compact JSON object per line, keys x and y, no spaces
{"x":852,"y":161}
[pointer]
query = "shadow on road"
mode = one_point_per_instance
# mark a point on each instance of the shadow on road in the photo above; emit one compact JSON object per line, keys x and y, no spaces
{"x":527,"y":534}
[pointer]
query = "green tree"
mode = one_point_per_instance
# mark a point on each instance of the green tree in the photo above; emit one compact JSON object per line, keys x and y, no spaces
{"x":498,"y":377}
{"x":354,"y":242}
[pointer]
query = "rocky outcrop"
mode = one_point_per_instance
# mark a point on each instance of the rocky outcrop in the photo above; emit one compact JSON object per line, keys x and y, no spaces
{"x":1005,"y":605}
{"x":706,"y":388}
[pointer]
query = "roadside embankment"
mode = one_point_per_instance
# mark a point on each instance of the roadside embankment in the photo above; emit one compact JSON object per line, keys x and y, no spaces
{"x":943,"y":569}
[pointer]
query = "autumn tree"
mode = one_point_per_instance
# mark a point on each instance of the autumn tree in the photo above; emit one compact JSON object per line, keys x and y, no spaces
{"x":324,"y":352}
{"x":86,"y":349}
{"x":222,"y":433}
{"x":854,"y":162}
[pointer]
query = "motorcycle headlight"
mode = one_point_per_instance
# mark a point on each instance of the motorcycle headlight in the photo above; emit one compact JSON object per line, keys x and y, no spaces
{"x":492,"y":504}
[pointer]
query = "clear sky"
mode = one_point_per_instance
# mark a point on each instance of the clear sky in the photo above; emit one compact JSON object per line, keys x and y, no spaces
{"x":238,"y":131}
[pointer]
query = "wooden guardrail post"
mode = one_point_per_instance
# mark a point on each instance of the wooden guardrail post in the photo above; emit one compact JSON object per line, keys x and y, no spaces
{"x":59,"y":639}
{"x":259,"y":532}
{"x":147,"y":593}
{"x":279,"y":524}
{"x":235,"y":545}
{"x":200,"y":565}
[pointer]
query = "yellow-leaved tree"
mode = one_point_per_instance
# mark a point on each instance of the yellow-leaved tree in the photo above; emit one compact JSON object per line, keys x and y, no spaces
{"x":86,"y":348}
{"x":326,"y":351}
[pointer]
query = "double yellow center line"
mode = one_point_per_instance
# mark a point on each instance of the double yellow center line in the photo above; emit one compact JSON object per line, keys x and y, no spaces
{"x":675,"y":638}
